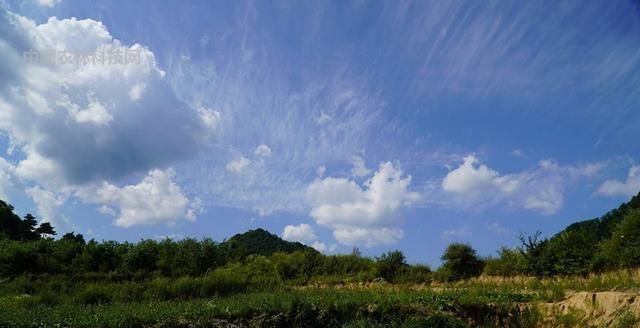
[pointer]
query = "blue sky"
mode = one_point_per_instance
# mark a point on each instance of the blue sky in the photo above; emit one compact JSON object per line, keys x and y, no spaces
{"x":381,"y":125}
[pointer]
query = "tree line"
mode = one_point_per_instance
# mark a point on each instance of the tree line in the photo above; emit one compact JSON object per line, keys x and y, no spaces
{"x":26,"y":247}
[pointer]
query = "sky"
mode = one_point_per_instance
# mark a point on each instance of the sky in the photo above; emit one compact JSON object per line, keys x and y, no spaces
{"x":372,"y":124}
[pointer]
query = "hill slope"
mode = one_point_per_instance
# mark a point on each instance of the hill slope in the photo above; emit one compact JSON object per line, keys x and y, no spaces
{"x":574,"y":250}
{"x":262,"y":242}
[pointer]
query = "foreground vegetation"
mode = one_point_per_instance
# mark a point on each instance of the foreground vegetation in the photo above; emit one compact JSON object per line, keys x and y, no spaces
{"x":258,"y":279}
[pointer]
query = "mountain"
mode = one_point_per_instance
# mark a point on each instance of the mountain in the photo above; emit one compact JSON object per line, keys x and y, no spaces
{"x":262,"y":242}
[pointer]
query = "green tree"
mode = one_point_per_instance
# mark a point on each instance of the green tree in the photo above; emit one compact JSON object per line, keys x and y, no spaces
{"x":460,"y":261}
{"x":390,"y":265}
{"x":622,"y":250}
{"x":45,"y":228}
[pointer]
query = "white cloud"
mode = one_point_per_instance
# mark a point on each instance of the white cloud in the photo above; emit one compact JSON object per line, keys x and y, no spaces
{"x":156,"y":199}
{"x":322,"y":247}
{"x":628,"y":188}
{"x":48,"y":205}
{"x":541,"y":189}
{"x":38,"y":168}
{"x":472,"y":178}
{"x":210,"y":117}
{"x":321,"y":170}
{"x":262,"y":151}
{"x":238,"y":165}
{"x":362,"y":215}
{"x":137,"y":91}
{"x":359,"y":168}
{"x":368,"y":237}
{"x":94,"y":113}
{"x":303,"y":233}
{"x":77,"y":121}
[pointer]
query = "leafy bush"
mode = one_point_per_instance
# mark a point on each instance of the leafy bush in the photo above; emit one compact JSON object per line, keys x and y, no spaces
{"x":389,"y":265}
{"x":510,"y":262}
{"x":623,"y":249}
{"x":419,"y":274}
{"x":460,"y":261}
{"x":94,"y":294}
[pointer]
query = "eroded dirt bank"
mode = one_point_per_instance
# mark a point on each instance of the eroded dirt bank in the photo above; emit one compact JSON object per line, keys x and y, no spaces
{"x":592,"y":309}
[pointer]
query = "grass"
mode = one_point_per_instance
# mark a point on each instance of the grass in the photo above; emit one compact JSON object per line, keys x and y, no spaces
{"x":218,"y":300}
{"x":310,"y":308}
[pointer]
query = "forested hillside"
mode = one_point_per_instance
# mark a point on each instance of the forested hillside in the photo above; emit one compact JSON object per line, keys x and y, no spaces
{"x":587,"y":246}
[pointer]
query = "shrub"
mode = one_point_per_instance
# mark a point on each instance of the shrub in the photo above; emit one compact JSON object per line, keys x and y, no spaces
{"x":223,"y":282}
{"x":510,"y":262}
{"x":390,"y":264}
{"x":460,"y":261}
{"x":419,"y":274}
{"x":94,"y":294}
{"x":186,"y":287}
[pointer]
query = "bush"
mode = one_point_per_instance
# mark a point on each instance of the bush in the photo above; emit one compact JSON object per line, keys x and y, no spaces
{"x":390,"y":264}
{"x":460,"y":261}
{"x":223,"y":282}
{"x":419,"y":274}
{"x":186,"y":287}
{"x":94,"y":294}
{"x":510,"y":262}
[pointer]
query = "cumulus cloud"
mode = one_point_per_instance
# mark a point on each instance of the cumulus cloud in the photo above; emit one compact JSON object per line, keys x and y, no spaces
{"x":471,"y":178}
{"x":303,"y":233}
{"x":156,"y":199}
{"x":359,"y":168}
{"x":83,"y":125}
{"x":627,"y":188}
{"x":88,"y":121}
{"x":262,"y":151}
{"x":540,"y":189}
{"x":362,"y":214}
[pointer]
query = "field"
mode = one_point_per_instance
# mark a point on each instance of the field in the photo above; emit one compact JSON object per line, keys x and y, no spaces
{"x":198,"y":302}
